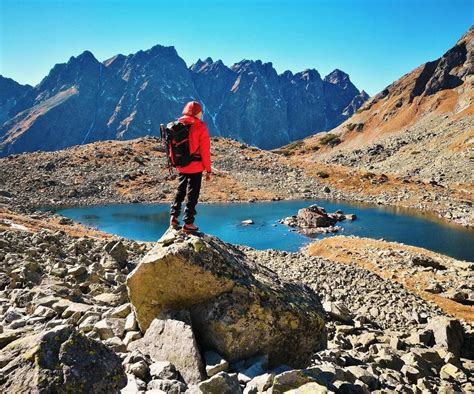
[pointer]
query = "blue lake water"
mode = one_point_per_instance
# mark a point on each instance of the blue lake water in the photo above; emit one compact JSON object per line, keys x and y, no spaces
{"x":147,"y":222}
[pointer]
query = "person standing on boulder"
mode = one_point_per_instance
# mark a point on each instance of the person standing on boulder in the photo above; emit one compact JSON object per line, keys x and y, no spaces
{"x":190,"y":176}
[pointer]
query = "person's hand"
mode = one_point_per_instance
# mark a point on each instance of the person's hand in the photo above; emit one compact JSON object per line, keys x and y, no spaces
{"x":208,"y":176}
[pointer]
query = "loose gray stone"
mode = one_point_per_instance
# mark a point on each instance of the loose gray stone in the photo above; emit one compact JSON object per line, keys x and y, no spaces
{"x":222,"y":383}
{"x":173,"y":340}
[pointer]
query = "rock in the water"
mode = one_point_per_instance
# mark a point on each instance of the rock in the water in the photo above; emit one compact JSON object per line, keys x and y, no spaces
{"x":172,"y":339}
{"x":314,"y":216}
{"x":60,"y":360}
{"x":239,"y":308}
{"x":314,"y":220}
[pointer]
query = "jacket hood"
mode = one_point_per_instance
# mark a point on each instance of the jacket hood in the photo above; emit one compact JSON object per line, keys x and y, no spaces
{"x":186,"y":119}
{"x":192,"y":108}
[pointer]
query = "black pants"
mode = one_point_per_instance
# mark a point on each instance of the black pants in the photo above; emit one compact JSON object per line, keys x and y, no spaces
{"x":190,"y":186}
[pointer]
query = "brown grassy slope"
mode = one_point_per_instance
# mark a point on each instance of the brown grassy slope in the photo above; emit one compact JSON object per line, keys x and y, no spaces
{"x":133,"y":171}
{"x":399,"y":106}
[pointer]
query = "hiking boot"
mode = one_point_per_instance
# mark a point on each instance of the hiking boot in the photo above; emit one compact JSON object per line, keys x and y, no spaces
{"x":190,"y":228}
{"x":174,"y":222}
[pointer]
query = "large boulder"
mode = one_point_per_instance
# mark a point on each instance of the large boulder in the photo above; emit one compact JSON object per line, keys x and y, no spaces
{"x":171,"y":338}
{"x":58,"y":361}
{"x":315,"y":220}
{"x":238,"y":307}
{"x":448,"y":333}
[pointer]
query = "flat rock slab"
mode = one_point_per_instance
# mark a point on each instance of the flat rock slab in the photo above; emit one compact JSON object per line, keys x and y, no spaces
{"x":238,"y":308}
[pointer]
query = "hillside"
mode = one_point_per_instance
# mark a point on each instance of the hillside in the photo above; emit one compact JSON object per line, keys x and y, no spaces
{"x":134,"y":171}
{"x":421,"y":126}
{"x":125,"y":97}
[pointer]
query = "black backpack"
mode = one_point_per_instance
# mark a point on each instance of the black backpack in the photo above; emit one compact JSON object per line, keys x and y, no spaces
{"x":175,"y":135}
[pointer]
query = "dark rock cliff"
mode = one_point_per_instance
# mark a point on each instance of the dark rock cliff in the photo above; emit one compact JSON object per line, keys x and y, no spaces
{"x":125,"y":97}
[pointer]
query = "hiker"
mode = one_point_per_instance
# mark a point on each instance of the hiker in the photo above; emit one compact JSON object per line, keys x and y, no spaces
{"x":190,"y":176}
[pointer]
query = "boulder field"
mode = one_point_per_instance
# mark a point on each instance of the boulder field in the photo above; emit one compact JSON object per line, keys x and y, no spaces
{"x":92,"y":315}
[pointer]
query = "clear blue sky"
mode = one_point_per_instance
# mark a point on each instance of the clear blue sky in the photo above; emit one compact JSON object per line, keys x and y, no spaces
{"x":374,"y":41}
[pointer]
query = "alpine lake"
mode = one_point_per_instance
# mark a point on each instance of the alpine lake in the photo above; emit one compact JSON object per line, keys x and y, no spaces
{"x":147,"y":222}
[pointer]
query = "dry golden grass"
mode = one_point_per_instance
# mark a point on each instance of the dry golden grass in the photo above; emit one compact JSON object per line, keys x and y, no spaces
{"x":463,"y":142}
{"x":34,"y":225}
{"x":354,"y":180}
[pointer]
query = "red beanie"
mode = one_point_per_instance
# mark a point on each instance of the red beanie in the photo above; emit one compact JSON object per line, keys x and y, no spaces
{"x":192,"y":108}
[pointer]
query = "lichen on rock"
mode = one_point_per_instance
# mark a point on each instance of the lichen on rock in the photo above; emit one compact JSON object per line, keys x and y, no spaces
{"x":60,"y":360}
{"x":238,"y":307}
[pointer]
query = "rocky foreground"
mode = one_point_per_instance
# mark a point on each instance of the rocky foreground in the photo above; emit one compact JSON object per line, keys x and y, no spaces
{"x":194,"y":314}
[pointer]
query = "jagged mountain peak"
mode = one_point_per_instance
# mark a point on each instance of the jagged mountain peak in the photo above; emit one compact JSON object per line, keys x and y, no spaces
{"x":337,"y":77}
{"x":257,"y":66}
{"x":9,"y":81}
{"x":244,"y":63}
{"x":196,"y":67}
{"x":11,"y":95}
{"x":78,"y":68}
{"x":287,"y":74}
{"x":208,"y":65}
{"x":434,"y":96}
{"x":85,"y":57}
{"x":155,"y":52}
{"x":114,"y":60}
{"x":308,"y":74}
{"x":161,"y":50}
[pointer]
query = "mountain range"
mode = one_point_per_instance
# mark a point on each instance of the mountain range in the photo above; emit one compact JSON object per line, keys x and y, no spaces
{"x":125,"y":97}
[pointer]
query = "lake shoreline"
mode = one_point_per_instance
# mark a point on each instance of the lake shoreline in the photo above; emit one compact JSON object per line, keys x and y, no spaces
{"x":146,"y":221}
{"x":411,"y":211}
{"x":100,"y":173}
{"x":408,"y":209}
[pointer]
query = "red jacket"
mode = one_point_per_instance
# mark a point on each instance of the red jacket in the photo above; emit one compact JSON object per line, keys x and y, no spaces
{"x":200,"y":143}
